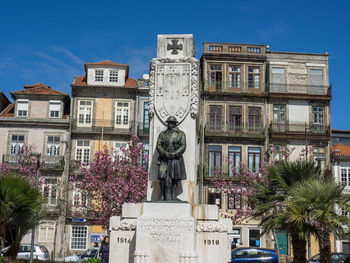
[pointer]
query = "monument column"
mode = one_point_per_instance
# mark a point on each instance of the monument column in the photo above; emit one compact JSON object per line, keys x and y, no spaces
{"x":174,"y":91}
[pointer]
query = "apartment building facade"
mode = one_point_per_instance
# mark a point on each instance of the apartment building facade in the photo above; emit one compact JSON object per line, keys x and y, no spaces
{"x":107,"y":107}
{"x":340,"y":158}
{"x":39,"y":116}
{"x":234,"y":118}
{"x":253,"y":101}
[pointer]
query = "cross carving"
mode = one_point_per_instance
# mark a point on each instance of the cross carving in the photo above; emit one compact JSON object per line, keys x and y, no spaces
{"x":174,"y":46}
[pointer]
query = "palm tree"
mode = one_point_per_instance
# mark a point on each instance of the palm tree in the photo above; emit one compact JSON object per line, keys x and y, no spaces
{"x":315,"y":202}
{"x":20,"y":210}
{"x":271,"y":202}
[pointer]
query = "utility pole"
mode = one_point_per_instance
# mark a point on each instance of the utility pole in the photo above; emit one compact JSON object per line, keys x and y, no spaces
{"x":37,"y":156}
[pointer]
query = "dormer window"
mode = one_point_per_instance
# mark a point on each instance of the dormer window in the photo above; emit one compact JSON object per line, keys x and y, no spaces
{"x":113,"y":76}
{"x":55,"y":108}
{"x":22,"y":108}
{"x":98,"y":75}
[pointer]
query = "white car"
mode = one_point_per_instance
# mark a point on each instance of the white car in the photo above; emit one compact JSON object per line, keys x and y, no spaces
{"x":89,"y":253}
{"x":39,"y":253}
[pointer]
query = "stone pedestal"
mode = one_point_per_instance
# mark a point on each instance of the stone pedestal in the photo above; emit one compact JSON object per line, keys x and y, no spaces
{"x":155,"y":232}
{"x":166,"y":232}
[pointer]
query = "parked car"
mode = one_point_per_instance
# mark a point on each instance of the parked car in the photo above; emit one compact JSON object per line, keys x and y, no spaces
{"x":89,"y":253}
{"x":336,"y":258}
{"x":253,"y":255}
{"x":39,"y":253}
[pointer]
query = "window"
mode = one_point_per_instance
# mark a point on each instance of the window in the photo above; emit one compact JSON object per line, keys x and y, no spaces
{"x":279,"y":113}
{"x":214,"y":198}
{"x":234,"y":158}
{"x":78,"y":240}
{"x":98,"y":75}
{"x":254,"y":118}
{"x":235,"y":118}
{"x":22,"y":108}
{"x":234,"y":201}
{"x":278,"y":79}
{"x":345,"y":173}
{"x":316,"y":77}
{"x":113,"y":76}
{"x":215,"y":76}
{"x":254,"y":77}
{"x":46,"y":231}
{"x":236,"y":237}
{"x":79,"y":198}
{"x":17,"y":144}
{"x":54,"y":108}
{"x":117,"y":152}
{"x":254,"y":238}
{"x":279,"y":153}
{"x":145,"y":116}
{"x":318,"y":119}
{"x":254,"y":155}
{"x":234,"y":76}
{"x":84,"y":113}
{"x":215,"y":117}
{"x":319,"y":154}
{"x":214,"y":159}
{"x":145,"y":155}
{"x":53,"y":145}
{"x":83,"y":152}
{"x":122,"y":114}
{"x":50,"y":191}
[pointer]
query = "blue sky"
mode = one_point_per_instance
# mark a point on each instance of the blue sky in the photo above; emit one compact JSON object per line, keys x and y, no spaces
{"x":49,"y":41}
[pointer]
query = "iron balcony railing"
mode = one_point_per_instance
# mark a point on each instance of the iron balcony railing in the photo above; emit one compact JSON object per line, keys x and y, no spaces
{"x":233,"y":87}
{"x":99,"y":126}
{"x":49,"y":162}
{"x":300,"y":89}
{"x":299,"y":128}
{"x":220,"y":128}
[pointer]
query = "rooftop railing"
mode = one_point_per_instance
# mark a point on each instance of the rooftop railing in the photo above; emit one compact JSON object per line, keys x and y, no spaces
{"x":231,"y":48}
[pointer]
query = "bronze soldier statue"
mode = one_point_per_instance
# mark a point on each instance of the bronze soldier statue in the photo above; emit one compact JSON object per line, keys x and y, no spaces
{"x":171,"y":145}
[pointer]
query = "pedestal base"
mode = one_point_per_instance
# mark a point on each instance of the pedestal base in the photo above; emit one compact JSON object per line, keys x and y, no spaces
{"x":155,"y":232}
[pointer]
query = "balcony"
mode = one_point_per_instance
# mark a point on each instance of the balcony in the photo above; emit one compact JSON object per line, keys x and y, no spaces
{"x":234,"y":49}
{"x":142,"y":130}
{"x":219,"y":129}
{"x":226,"y":87}
{"x":102,"y":126}
{"x":299,"y":89}
{"x":299,"y":129}
{"x":53,"y":162}
{"x":48,"y":162}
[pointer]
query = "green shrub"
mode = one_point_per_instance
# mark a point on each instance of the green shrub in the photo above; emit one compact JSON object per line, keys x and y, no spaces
{"x":92,"y":260}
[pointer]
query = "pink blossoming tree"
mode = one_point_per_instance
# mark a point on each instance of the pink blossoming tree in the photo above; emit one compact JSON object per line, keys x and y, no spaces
{"x":111,"y":180}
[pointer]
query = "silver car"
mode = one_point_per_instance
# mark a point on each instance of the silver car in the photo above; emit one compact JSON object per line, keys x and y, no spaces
{"x":39,"y":253}
{"x":89,"y":253}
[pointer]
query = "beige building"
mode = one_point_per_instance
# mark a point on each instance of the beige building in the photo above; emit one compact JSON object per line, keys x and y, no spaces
{"x":107,"y":106}
{"x":39,"y":117}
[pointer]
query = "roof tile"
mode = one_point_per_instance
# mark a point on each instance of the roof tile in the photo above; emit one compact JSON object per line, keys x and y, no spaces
{"x":38,"y":88}
{"x":344,"y":150}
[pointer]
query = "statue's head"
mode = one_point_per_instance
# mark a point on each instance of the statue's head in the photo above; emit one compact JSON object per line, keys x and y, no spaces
{"x":172,"y":122}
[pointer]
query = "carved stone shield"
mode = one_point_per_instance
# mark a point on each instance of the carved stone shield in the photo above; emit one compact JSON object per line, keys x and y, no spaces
{"x":172,"y":90}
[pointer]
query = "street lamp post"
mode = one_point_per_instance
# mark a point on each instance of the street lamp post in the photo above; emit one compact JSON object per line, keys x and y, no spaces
{"x":37,"y":156}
